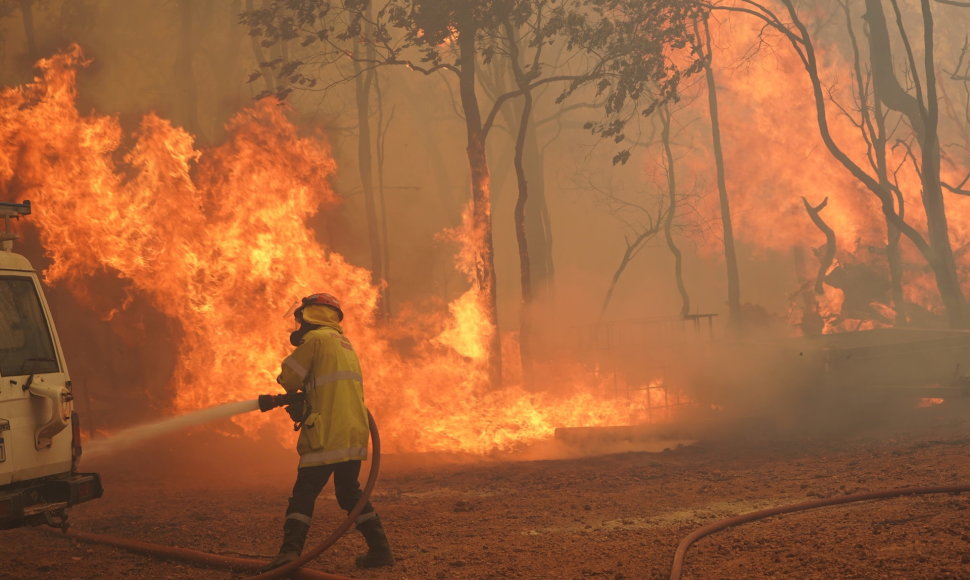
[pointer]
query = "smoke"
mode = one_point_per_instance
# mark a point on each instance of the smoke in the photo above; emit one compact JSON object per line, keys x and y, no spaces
{"x":124,"y":349}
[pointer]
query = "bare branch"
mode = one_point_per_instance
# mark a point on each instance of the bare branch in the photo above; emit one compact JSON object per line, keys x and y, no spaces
{"x":500,"y":100}
{"x":955,"y":190}
{"x":632,"y":249}
{"x":769,"y":18}
{"x":961,"y":72}
{"x":910,"y":155}
{"x":815,"y":213}
{"x":958,"y":189}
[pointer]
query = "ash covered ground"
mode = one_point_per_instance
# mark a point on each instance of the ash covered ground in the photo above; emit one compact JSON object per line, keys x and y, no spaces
{"x":552,"y":512}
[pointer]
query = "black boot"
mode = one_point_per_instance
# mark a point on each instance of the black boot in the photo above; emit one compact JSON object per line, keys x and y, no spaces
{"x":378,"y":550}
{"x":294,"y":536}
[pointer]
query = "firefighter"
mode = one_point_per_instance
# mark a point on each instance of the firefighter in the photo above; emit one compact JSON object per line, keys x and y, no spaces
{"x":334,"y":428}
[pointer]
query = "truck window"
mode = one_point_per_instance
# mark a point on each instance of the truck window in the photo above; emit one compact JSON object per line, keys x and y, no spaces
{"x":25,"y":339}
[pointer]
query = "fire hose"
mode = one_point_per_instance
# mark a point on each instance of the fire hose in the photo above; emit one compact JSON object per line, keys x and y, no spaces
{"x":291,"y":569}
{"x":294,"y":569}
{"x":677,"y":568}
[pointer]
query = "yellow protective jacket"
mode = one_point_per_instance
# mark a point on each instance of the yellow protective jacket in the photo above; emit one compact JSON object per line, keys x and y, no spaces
{"x":325,"y":366}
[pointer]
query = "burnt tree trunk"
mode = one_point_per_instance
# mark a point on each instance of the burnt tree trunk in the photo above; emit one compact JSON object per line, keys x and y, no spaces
{"x":481,"y":196}
{"x":363,"y":83}
{"x":672,"y":212}
{"x":828,"y":256}
{"x":873,"y":127}
{"x":525,"y":261}
{"x":537,"y":224}
{"x":893,"y":233}
{"x":727,"y":225}
{"x":922,"y":112}
{"x":379,"y":142}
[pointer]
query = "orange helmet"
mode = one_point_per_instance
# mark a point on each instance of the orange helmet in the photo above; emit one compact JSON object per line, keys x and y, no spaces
{"x":321,"y":299}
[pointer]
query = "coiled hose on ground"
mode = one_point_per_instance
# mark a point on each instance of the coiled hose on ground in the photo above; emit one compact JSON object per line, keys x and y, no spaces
{"x":677,"y":568}
{"x":292,"y":569}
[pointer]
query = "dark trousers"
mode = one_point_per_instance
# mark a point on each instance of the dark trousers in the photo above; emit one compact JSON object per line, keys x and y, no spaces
{"x":310,"y":481}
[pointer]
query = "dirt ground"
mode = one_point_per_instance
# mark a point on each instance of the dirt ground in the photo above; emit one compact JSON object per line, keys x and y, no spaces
{"x":552,"y":512}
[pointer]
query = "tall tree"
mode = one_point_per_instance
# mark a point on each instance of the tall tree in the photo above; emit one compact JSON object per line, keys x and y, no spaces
{"x":702,"y":46}
{"x":872,"y":124}
{"x":445,"y":36}
{"x":668,"y":220}
{"x":468,"y":25}
{"x":522,"y":79}
{"x":922,"y":111}
{"x":622,"y":39}
{"x":364,"y":80}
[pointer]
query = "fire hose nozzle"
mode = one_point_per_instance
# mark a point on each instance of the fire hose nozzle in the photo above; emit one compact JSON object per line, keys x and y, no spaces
{"x":267,"y":402}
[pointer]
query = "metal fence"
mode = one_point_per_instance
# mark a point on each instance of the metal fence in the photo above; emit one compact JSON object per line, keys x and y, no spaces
{"x":639,"y":358}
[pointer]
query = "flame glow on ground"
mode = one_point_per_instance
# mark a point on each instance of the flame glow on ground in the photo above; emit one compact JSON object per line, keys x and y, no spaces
{"x":218,"y":241}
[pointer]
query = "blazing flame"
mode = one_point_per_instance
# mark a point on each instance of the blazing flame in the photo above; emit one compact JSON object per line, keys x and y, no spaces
{"x":775,"y":156}
{"x":468,"y":331}
{"x":218,"y":240}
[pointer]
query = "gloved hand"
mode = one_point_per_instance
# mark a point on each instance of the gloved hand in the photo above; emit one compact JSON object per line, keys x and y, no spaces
{"x":296,"y":411}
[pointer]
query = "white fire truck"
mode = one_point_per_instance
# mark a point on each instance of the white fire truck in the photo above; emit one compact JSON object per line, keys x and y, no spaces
{"x":40,"y":441}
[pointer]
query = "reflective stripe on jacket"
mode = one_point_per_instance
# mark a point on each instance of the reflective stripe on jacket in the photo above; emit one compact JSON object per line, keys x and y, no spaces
{"x":325,"y":366}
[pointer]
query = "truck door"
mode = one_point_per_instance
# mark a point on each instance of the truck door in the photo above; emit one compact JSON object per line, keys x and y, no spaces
{"x":35,"y":398}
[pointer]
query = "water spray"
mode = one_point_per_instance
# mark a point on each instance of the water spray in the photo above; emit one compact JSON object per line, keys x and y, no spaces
{"x":134,"y":435}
